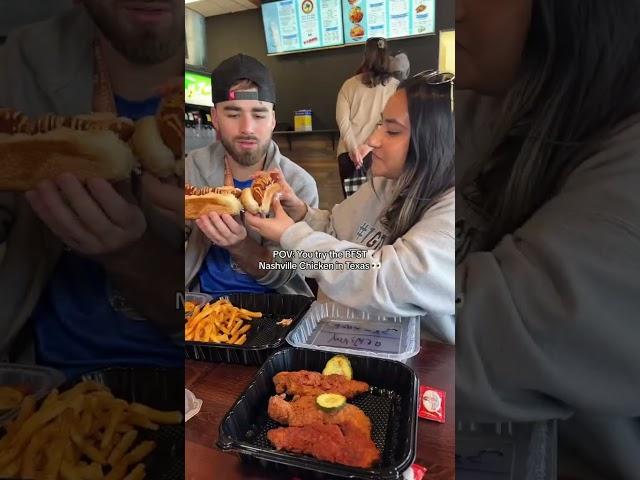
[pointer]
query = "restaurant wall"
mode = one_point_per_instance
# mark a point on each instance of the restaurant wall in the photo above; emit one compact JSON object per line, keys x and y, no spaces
{"x":311,"y":79}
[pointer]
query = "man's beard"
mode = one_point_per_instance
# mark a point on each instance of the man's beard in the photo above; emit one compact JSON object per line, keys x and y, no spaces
{"x":141,"y":46}
{"x":246,"y":159}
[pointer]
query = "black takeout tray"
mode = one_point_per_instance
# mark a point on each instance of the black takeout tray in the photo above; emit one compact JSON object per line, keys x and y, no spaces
{"x":264,"y":338}
{"x":391,"y":404}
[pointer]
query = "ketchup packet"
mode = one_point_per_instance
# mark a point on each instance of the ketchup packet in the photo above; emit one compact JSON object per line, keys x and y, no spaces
{"x":432,"y":404}
{"x":416,"y":472}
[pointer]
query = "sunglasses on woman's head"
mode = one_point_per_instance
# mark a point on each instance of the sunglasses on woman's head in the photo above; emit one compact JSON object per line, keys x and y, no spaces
{"x":434,"y":77}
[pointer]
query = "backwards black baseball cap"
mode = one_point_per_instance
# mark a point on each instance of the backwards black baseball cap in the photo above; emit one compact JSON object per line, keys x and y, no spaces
{"x":237,"y":68}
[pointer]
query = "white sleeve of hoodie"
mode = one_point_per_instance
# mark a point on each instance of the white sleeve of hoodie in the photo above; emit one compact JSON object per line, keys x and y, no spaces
{"x":343,"y":118}
{"x":552,"y":311}
{"x":412,"y":276}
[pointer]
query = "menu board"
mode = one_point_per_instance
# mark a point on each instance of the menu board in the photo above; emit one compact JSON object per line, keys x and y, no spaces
{"x":387,"y":18}
{"x":197,"y":89}
{"x":291,"y":25}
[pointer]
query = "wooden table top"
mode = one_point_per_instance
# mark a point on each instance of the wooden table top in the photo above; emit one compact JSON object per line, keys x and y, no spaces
{"x":219,"y":386}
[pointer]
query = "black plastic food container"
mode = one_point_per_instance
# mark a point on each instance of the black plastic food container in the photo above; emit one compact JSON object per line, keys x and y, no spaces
{"x":159,"y":388}
{"x":264,"y":338}
{"x":391,"y":404}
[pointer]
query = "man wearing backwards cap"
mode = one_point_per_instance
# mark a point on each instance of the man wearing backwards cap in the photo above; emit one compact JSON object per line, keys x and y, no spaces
{"x":221,"y":256}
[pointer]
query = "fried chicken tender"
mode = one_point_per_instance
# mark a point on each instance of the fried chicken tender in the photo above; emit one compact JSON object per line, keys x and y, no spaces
{"x":303,"y":411}
{"x":344,"y":444}
{"x":304,"y":382}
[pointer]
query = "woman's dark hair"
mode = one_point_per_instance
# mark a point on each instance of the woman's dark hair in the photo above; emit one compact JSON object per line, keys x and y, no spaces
{"x":429,"y":169}
{"x":579,"y":79}
{"x":376,"y":65}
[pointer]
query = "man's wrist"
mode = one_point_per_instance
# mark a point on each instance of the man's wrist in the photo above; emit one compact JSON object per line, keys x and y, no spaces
{"x":304,"y":208}
{"x":238,"y":247}
{"x":117,"y":259}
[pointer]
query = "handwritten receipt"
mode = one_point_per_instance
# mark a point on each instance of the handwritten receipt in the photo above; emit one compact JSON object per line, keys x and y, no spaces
{"x":375,"y":336}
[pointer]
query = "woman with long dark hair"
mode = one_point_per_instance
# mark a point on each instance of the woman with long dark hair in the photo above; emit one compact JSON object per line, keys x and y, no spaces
{"x":360,"y":102}
{"x":548,"y":223}
{"x":401,"y":221}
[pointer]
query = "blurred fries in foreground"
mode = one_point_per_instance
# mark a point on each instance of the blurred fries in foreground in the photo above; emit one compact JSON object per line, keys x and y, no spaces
{"x":84,"y":433}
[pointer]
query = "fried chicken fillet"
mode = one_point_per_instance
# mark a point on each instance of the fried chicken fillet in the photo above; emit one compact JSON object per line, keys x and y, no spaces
{"x":304,"y":382}
{"x":303,"y":411}
{"x":344,"y":444}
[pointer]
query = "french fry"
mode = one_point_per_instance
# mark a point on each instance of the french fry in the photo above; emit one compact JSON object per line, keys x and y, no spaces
{"x":88,"y":449}
{"x":84,"y":387}
{"x":27,"y":408}
{"x":10,"y":398}
{"x":114,"y":419}
{"x":140,"y":420}
{"x":52,"y":397}
{"x":189,"y":307}
{"x":86,"y":422}
{"x":234,"y":338}
{"x":244,"y":329}
{"x":11,"y":470}
{"x":69,"y":471}
{"x":140,"y":452}
{"x":72,"y":454}
{"x":81,"y":470}
{"x":125,"y":428}
{"x":119,"y":471}
{"x":58,"y":445}
{"x":55,"y":454}
{"x":237,"y":326}
{"x":135,"y":456}
{"x":157,"y":416}
{"x":250,"y":314}
{"x":108,"y":448}
{"x":28,"y":468}
{"x":121,"y":448}
{"x":138,"y":473}
{"x":92,"y":472}
{"x":241,"y":340}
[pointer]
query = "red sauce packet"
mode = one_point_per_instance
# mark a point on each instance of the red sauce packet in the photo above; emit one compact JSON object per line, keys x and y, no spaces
{"x":416,"y":472}
{"x":431,"y":404}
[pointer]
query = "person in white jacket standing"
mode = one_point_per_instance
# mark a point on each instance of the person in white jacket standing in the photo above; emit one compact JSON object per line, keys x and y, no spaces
{"x":390,"y":248}
{"x":360,"y":102}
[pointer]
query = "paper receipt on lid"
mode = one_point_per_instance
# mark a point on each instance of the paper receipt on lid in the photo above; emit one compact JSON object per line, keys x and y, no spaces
{"x":431,"y":404}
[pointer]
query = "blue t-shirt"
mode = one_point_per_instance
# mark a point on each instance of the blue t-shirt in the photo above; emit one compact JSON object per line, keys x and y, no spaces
{"x":76,"y":327}
{"x":220,"y":275}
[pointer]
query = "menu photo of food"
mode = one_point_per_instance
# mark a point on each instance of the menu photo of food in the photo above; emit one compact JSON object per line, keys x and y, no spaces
{"x":356,"y":15}
{"x":357,"y":32}
{"x":307,"y":6}
{"x":423,"y":17}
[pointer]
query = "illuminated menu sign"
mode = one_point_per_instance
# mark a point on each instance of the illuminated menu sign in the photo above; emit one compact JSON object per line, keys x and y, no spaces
{"x":291,"y":25}
{"x":364,"y":19}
